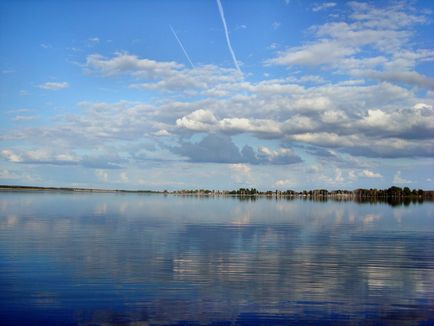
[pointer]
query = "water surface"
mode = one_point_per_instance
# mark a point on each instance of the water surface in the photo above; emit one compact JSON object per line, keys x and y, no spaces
{"x":83,"y":258}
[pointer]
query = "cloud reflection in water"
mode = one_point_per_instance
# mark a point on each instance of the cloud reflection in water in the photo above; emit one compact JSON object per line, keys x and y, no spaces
{"x":112,"y":258}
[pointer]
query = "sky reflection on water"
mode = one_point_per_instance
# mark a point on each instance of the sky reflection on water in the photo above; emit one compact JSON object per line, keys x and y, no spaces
{"x":119,"y":258}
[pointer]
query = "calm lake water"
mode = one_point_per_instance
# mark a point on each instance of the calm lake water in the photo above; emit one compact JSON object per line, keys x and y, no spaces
{"x":83,"y":258}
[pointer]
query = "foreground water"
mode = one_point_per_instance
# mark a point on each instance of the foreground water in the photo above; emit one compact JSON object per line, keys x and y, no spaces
{"x":94,"y":259}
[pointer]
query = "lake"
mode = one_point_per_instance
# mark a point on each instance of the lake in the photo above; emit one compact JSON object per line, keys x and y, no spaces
{"x":104,"y":258}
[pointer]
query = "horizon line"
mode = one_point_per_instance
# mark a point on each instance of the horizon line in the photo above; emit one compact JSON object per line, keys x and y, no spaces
{"x":72,"y":188}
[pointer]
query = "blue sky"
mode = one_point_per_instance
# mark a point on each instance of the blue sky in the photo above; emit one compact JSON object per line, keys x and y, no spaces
{"x":179,"y":94}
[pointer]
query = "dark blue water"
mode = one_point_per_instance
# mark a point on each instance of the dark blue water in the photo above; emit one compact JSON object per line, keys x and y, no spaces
{"x":108,"y":259}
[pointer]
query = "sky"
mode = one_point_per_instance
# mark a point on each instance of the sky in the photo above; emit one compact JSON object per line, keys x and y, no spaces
{"x":279,"y":94}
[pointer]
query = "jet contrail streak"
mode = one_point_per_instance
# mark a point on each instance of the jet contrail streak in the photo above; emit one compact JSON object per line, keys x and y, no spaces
{"x":182,"y":47}
{"x":228,"y":41}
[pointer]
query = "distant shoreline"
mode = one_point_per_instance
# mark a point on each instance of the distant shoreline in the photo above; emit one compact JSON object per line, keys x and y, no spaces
{"x":390,"y":193}
{"x":69,"y":189}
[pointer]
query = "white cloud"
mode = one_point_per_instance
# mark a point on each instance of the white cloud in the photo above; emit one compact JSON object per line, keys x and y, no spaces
{"x":102,"y":175}
{"x":161,"y":75}
{"x":285,"y":183}
{"x":323,"y":6}
{"x":395,"y":16}
{"x":200,"y":120}
{"x":422,"y":106}
{"x":408,"y":77}
{"x":124,"y":63}
{"x":326,"y":139}
{"x":371,"y":174}
{"x":240,"y":168}
{"x":203,"y":120}
{"x":324,"y":52}
{"x":281,"y":155}
{"x":398,"y":179}
{"x":241,"y":125}
{"x":359,"y":103}
{"x":54,"y":86}
{"x":11,"y":156}
{"x":354,"y":116}
{"x":162,"y":133}
{"x":368,"y":120}
{"x":346,"y":46}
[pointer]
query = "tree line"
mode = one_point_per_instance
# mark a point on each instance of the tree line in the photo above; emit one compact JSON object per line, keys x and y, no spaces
{"x":392,"y":192}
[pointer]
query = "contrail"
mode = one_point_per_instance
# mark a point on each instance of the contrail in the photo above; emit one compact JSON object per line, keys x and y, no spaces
{"x":228,"y":41}
{"x":182,"y":47}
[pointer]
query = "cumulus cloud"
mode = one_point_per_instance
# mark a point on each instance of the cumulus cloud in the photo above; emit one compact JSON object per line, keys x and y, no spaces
{"x":399,"y":179}
{"x":204,"y":120}
{"x":410,"y":123}
{"x":199,"y":120}
{"x":373,"y":111}
{"x":364,"y":95}
{"x":345,"y":46}
{"x":381,"y":120}
{"x":54,"y":86}
{"x":215,"y":148}
{"x":280,"y":156}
